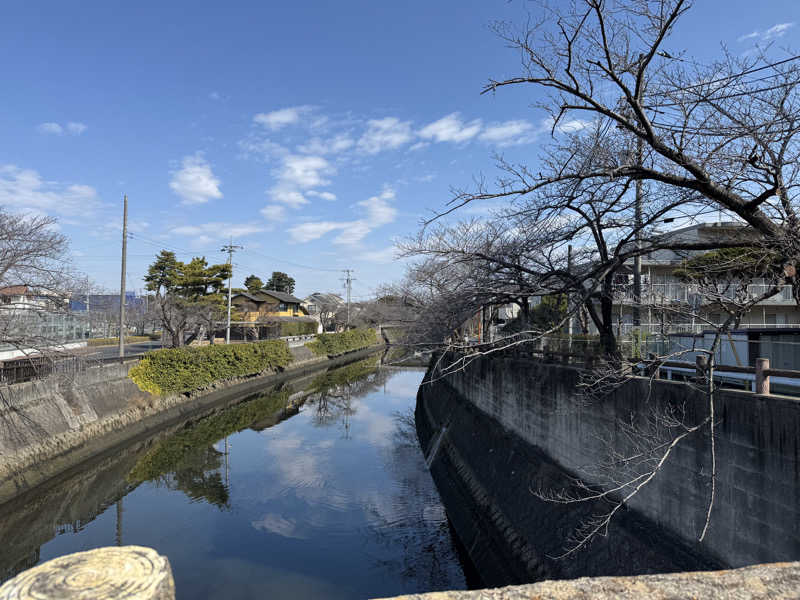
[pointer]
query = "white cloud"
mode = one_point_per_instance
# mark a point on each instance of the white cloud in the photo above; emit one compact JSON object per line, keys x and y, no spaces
{"x":298,"y":174}
{"x":450,"y":129}
{"x":376,"y":212}
{"x":50,"y":129}
{"x":508,"y":133}
{"x":322,"y":195}
{"x":277,"y":119}
{"x":307,"y":232}
{"x":564,"y":125}
{"x":384,"y":256}
{"x":305,"y":171}
{"x":288,"y":197}
{"x":219,"y":230}
{"x":334,"y":145}
{"x":384,"y":134}
{"x":25,"y":189}
{"x":772,"y":33}
{"x":76,"y":128}
{"x":73,"y":128}
{"x":194,"y":182}
{"x":274,"y":212}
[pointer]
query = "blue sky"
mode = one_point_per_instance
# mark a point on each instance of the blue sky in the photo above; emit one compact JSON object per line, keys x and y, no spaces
{"x":314,"y":134}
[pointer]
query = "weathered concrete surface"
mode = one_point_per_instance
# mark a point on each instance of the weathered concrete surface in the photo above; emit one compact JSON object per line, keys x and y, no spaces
{"x":777,"y":581}
{"x":51,"y":426}
{"x":504,"y":428}
{"x":115,"y":573}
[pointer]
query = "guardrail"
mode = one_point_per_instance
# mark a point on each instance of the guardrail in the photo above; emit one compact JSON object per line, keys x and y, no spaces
{"x":19,"y":370}
{"x":756,"y":378}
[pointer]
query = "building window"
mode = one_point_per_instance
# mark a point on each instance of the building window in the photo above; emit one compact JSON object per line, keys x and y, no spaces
{"x":282,"y":306}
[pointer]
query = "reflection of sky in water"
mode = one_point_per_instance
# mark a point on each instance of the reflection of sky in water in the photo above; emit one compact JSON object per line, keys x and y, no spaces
{"x":343,"y":509}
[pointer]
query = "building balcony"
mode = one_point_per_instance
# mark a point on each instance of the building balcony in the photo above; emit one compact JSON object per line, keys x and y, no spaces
{"x":671,"y":293}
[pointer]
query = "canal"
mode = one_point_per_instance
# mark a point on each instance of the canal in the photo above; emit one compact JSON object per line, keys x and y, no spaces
{"x":329,"y":498}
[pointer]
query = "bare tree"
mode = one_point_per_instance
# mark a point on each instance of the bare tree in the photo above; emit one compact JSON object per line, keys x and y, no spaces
{"x":37,"y":282}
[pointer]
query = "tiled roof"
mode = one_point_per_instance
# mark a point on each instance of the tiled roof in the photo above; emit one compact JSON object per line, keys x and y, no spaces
{"x":14,"y":290}
{"x":281,"y":296}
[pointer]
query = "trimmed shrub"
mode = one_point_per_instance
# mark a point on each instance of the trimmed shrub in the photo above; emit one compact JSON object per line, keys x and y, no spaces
{"x":332,"y":344}
{"x":176,"y":370}
{"x":129,"y":339}
{"x":298,"y":328}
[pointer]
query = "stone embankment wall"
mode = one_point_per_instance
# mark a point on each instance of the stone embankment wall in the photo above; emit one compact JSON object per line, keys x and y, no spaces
{"x":760,"y":582}
{"x":51,"y":426}
{"x":503,"y":428}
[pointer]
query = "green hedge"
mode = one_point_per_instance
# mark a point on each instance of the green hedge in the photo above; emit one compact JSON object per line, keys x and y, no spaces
{"x":185,"y":369}
{"x":129,"y":339}
{"x":298,"y":328}
{"x":331,"y":344}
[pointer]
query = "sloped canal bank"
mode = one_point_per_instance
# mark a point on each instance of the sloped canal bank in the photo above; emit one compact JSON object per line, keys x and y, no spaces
{"x":328,"y":498}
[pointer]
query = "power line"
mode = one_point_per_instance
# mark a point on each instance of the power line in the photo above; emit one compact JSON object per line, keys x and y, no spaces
{"x":740,"y":74}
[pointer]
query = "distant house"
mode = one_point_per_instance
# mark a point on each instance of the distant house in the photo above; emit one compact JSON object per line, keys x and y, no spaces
{"x":267,"y":313}
{"x":256,"y":306}
{"x":24,"y":298}
{"x":319,"y":301}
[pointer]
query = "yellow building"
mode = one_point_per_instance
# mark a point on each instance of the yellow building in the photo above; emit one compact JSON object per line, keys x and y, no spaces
{"x":263,"y":304}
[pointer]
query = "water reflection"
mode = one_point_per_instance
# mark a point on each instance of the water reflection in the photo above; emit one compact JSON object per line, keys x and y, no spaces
{"x":414,"y":519}
{"x":316,"y":489}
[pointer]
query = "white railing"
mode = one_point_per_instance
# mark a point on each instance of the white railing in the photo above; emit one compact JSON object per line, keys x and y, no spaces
{"x":666,"y":293}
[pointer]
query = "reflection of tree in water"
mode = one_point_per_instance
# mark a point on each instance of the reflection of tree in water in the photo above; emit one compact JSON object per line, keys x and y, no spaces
{"x":332,"y":400}
{"x":416,"y":529}
{"x":187,"y":461}
{"x":198,"y":475}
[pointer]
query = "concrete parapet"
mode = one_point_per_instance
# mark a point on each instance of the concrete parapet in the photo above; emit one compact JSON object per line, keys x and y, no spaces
{"x":771,"y":581}
{"x":115,"y":573}
{"x":508,"y":428}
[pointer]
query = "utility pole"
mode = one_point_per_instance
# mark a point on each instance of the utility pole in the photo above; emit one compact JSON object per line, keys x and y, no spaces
{"x":230,"y":249}
{"x":122,"y":277}
{"x":348,"y":280}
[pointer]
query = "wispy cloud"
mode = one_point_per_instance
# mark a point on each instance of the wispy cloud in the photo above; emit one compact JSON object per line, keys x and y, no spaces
{"x":25,"y":189}
{"x":384,"y":256}
{"x":278,"y":119}
{"x":76,"y":128}
{"x":451,"y":128}
{"x":767,"y":35}
{"x":195,"y":182}
{"x":219,"y":230}
{"x":274,"y":212}
{"x":376,"y":211}
{"x":385,"y":134}
{"x":51,"y":128}
{"x":508,"y":133}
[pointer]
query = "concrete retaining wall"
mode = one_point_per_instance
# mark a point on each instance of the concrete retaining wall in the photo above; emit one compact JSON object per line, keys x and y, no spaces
{"x":52,"y":426}
{"x":513,"y":426}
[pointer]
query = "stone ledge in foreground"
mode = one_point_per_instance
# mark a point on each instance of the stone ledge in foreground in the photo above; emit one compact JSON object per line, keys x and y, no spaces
{"x":114,"y":573}
{"x":775,"y":581}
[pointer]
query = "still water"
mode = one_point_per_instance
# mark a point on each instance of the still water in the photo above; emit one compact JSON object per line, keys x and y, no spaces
{"x":329,"y":501}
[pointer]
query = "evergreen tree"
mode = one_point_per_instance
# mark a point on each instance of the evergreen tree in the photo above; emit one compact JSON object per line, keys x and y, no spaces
{"x":280,"y":282}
